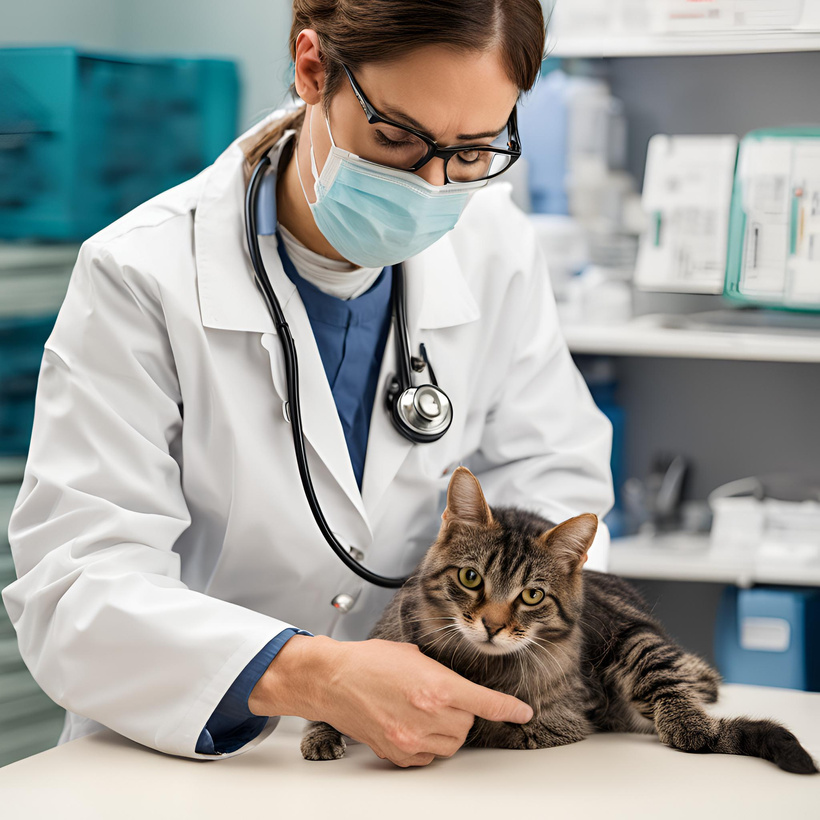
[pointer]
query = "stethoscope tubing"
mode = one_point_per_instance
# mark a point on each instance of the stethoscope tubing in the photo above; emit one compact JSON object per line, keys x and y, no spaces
{"x":294,"y":411}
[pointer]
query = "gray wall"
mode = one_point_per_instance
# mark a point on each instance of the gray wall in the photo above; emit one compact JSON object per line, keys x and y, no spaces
{"x":729,"y":94}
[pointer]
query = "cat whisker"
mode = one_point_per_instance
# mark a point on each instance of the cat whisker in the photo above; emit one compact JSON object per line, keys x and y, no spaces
{"x":440,"y":629}
{"x":450,"y":628}
{"x":547,"y":654}
{"x":454,"y":633}
{"x":544,"y":669}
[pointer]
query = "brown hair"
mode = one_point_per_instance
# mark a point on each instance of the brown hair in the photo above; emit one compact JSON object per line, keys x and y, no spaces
{"x":357,"y":32}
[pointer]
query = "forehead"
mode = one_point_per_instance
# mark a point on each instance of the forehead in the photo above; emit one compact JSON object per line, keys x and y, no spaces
{"x":447,"y":91}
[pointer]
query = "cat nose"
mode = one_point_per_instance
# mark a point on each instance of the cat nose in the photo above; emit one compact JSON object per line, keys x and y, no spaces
{"x":492,"y":628}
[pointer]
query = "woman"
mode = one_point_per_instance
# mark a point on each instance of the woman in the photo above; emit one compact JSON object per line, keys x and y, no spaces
{"x":173,"y":584}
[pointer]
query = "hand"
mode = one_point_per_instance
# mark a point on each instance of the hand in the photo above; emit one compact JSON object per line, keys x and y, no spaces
{"x":407,"y":707}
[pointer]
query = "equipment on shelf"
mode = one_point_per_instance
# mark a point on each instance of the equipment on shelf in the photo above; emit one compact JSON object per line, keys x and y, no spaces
{"x":774,"y":235}
{"x":776,"y":516}
{"x":687,"y":194}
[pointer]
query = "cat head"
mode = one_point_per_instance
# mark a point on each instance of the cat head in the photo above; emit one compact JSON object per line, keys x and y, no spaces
{"x":504,"y":578}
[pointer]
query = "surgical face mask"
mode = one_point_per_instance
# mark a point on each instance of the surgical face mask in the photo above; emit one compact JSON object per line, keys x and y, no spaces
{"x":376,"y":216}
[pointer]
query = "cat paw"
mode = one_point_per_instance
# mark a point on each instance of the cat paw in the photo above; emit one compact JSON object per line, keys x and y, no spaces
{"x":693,"y":735}
{"x":323,"y":744}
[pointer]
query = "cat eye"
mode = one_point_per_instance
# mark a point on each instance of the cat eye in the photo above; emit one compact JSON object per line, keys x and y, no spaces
{"x":469,"y":578}
{"x":531,"y":597}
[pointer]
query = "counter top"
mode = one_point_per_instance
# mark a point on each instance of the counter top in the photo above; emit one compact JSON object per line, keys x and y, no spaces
{"x":608,"y":775}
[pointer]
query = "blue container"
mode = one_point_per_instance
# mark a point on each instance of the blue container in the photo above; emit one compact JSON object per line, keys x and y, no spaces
{"x":84,"y":138}
{"x":542,"y":125}
{"x":769,"y":636}
{"x":21,"y":353}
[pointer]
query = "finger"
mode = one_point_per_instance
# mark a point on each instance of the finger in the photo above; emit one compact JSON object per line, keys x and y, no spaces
{"x":489,"y":704}
{"x":421,"y":759}
{"x":442,"y":745}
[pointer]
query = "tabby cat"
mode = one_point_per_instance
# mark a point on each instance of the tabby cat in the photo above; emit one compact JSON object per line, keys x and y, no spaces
{"x":501,"y":598}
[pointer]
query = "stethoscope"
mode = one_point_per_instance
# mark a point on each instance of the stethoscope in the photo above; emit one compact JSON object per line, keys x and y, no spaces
{"x":420,"y":413}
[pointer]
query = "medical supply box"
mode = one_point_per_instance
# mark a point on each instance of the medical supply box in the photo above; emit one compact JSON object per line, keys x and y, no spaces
{"x":769,"y":636}
{"x":84,"y":138}
{"x":774,"y":230}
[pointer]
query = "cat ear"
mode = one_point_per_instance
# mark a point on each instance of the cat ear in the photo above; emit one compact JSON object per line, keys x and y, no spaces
{"x":569,"y":542}
{"x":465,"y":501}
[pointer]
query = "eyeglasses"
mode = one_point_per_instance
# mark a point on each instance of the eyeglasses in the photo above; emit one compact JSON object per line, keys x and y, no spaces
{"x":408,"y":149}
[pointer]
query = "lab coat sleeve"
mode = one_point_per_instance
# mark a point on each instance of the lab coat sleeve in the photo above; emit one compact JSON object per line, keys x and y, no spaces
{"x":104,"y":623}
{"x":232,"y":724}
{"x":546,"y":446}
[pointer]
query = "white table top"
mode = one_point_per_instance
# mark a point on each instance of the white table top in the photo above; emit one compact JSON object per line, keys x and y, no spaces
{"x":608,"y":775}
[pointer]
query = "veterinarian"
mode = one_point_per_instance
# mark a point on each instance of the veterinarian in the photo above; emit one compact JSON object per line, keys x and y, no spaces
{"x":174,"y":582}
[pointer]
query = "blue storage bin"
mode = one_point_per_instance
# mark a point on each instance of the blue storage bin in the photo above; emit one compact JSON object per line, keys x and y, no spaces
{"x":21,"y":353}
{"x":84,"y":138}
{"x":769,"y":636}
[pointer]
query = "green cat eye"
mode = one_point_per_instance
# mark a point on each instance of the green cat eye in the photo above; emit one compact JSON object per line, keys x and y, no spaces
{"x":469,"y":578}
{"x":531,"y":597}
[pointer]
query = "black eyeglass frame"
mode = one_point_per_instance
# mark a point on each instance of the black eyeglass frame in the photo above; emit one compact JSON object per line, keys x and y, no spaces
{"x":434,"y":150}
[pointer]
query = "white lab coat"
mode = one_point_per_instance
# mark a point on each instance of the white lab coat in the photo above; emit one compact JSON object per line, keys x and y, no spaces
{"x":161,"y":536}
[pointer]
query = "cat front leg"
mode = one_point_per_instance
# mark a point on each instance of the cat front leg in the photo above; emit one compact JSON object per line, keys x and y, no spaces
{"x":556,"y":728}
{"x":322,"y":742}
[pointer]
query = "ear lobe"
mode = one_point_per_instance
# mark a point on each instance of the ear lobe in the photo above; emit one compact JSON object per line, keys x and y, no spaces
{"x":569,"y":542}
{"x":465,"y":501}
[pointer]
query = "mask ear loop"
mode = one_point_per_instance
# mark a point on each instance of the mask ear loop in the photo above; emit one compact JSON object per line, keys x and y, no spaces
{"x":313,"y":167}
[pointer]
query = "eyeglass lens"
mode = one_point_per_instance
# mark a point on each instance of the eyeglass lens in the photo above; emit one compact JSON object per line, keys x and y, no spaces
{"x":398,"y":148}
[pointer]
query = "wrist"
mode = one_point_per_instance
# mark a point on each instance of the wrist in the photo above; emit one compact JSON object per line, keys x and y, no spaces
{"x":295,"y":681}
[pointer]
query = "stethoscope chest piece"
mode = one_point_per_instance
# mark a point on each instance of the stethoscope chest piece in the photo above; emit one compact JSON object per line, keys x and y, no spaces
{"x":422,"y":413}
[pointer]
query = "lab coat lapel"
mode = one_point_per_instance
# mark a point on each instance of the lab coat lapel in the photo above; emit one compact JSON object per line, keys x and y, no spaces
{"x":437,"y":296}
{"x":230,"y":300}
{"x":320,"y":419}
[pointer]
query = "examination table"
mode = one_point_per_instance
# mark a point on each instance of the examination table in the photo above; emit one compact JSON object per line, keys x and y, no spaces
{"x":630,"y":776}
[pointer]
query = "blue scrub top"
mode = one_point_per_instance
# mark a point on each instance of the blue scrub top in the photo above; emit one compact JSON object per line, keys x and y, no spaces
{"x":351,"y":335}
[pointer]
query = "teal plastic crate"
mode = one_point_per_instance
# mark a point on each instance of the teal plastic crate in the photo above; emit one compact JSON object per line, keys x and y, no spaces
{"x":85,"y":137}
{"x":21,"y":352}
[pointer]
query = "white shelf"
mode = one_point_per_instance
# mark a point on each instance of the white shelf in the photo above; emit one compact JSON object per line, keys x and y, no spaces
{"x":690,"y":557}
{"x":700,"y":43}
{"x":652,"y":336}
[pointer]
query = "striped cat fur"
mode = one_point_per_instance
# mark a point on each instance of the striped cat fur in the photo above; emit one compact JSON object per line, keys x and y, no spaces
{"x":501,"y":598}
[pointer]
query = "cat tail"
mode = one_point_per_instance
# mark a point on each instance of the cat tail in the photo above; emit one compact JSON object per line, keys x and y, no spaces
{"x":762,"y":738}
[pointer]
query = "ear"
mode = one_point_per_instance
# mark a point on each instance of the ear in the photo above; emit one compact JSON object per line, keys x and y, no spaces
{"x":569,"y":542}
{"x":465,"y":501}
{"x":309,"y":72}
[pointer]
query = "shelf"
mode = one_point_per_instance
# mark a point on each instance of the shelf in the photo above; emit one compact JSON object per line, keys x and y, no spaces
{"x":700,"y":43}
{"x":656,"y":335}
{"x":690,"y":557}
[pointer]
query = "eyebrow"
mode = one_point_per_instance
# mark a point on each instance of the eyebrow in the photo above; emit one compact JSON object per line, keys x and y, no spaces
{"x":400,"y":115}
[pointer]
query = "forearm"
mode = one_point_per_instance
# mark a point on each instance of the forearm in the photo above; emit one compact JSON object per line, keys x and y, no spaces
{"x":298,"y":679}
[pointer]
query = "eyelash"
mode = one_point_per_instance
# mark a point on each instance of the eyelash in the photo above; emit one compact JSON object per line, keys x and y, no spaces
{"x":388,"y":143}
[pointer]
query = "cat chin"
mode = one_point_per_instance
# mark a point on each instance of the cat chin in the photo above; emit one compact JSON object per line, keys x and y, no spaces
{"x":488,"y":648}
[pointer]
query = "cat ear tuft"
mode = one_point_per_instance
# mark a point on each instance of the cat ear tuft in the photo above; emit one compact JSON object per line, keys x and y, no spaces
{"x":465,"y":500}
{"x":569,"y":542}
